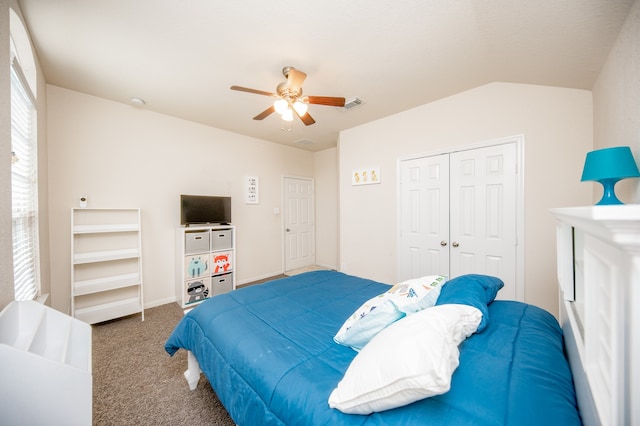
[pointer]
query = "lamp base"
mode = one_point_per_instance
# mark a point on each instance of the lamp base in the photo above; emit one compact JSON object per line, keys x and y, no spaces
{"x":609,"y":195}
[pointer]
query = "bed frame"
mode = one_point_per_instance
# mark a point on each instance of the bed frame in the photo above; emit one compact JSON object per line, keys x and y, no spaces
{"x":599,"y":276}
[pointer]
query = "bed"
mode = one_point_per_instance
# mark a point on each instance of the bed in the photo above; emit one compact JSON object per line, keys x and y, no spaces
{"x":269,"y":350}
{"x":269,"y":353}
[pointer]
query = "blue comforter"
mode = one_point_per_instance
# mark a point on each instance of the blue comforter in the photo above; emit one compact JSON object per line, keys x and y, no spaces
{"x":269,"y":354}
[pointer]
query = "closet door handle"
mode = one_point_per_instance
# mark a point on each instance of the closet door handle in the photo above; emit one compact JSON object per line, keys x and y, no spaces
{"x":443,"y":243}
{"x":455,"y":244}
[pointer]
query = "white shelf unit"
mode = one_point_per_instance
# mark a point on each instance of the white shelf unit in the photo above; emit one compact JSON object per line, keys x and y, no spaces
{"x":46,"y":366}
{"x":106,"y":264}
{"x":205,"y":262}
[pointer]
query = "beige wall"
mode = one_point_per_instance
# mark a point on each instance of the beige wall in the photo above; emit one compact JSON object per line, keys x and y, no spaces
{"x":326,"y":189}
{"x":137,"y":150}
{"x":616,"y":98}
{"x":120,"y":156}
{"x":557,"y":126}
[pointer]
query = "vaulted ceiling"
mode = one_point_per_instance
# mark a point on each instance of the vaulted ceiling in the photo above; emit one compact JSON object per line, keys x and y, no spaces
{"x":181,"y":57}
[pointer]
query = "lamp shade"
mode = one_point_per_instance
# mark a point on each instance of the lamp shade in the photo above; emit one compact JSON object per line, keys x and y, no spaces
{"x":608,"y":166}
{"x":610,"y":163}
{"x":281,"y":106}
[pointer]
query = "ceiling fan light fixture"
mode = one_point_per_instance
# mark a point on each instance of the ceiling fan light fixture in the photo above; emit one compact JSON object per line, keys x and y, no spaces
{"x":289,"y":99}
{"x":281,"y":106}
{"x":288,"y":115}
{"x":300,"y":107}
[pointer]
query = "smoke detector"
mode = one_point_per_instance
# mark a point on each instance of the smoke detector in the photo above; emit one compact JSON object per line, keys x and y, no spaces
{"x":138,"y":102}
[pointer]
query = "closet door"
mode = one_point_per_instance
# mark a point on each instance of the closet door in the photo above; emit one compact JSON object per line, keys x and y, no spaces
{"x":458,"y":215}
{"x":483,"y":186}
{"x":424,"y":210}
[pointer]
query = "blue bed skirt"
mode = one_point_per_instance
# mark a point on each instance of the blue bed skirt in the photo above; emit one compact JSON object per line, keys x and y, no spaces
{"x":269,"y":354}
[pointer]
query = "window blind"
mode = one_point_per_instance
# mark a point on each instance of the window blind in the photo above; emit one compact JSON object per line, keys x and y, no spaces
{"x":24,"y":188}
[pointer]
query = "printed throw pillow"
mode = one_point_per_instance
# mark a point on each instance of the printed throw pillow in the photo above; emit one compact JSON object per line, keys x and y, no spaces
{"x":377,"y":313}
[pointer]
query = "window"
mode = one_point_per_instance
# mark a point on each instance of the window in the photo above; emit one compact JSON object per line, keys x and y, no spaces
{"x":24,"y":186}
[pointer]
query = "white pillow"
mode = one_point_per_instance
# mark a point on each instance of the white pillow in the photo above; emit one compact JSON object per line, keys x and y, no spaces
{"x":412,"y":359}
{"x":378,"y":312}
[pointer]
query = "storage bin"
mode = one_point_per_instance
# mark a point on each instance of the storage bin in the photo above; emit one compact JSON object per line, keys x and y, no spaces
{"x":196,"y":242}
{"x":221,"y":262}
{"x":197,"y":290}
{"x":196,"y":266}
{"x":221,"y":239}
{"x":222,"y":283}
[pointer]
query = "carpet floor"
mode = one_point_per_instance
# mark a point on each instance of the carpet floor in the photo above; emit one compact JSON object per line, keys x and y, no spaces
{"x":135,"y":382}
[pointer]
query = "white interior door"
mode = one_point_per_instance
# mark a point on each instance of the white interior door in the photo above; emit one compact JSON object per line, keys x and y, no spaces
{"x":424,"y":186}
{"x":299,"y":226}
{"x":458,"y":215}
{"x":483,"y":194}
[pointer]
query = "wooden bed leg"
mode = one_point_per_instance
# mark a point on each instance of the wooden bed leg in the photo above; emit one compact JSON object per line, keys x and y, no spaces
{"x":193,"y":371}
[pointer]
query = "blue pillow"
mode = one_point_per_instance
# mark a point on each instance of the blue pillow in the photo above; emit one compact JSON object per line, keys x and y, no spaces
{"x":473,"y":290}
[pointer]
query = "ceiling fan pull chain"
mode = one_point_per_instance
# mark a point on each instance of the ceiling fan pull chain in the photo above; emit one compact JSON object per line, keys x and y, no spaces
{"x":285,"y":125}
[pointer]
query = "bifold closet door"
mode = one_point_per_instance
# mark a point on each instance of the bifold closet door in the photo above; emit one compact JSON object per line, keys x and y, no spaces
{"x":482,"y":217}
{"x":458,"y":215}
{"x":424,"y":211}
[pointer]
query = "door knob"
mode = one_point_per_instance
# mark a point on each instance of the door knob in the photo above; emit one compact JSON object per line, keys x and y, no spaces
{"x":443,"y":243}
{"x":287,"y":230}
{"x":455,"y":244}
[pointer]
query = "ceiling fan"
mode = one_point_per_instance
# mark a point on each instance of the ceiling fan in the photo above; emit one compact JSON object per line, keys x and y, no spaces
{"x":289,"y":99}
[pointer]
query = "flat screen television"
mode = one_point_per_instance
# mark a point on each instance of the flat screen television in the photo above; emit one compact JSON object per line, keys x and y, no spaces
{"x":204,"y":209}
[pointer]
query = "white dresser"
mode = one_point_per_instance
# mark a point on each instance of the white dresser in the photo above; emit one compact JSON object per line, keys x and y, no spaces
{"x":599,"y":276}
{"x":45,"y":367}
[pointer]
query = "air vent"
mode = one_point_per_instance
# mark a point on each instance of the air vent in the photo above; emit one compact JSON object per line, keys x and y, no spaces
{"x":304,"y":142}
{"x":353,"y":103}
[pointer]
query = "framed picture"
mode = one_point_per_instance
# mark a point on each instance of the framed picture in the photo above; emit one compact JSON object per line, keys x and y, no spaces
{"x":365,"y":176}
{"x":251,"y":186}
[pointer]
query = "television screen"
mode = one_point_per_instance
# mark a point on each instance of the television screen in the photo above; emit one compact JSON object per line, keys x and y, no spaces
{"x":196,"y":209}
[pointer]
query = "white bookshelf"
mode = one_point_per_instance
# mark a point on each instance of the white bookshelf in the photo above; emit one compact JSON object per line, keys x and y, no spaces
{"x":106,"y":264}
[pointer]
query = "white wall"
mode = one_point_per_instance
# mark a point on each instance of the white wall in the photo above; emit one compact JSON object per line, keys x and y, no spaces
{"x":557,"y":125}
{"x":616,"y":98}
{"x":120,"y":156}
{"x":326,"y":190}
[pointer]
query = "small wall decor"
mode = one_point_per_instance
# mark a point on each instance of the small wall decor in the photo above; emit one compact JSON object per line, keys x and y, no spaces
{"x":251,"y":190}
{"x":365,"y":176}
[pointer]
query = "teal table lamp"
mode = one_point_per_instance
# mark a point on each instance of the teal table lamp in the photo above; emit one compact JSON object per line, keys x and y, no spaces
{"x":608,"y":166}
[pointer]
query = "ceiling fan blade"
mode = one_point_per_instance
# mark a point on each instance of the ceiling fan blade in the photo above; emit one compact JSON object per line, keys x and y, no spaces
{"x":257,"y":92}
{"x":264,"y":114}
{"x":306,"y":118}
{"x":295,"y":79}
{"x":326,"y":100}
